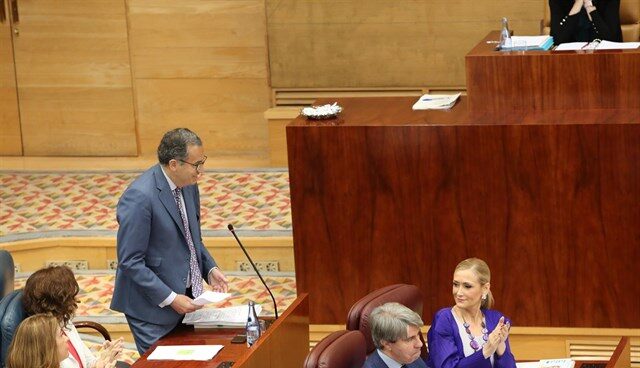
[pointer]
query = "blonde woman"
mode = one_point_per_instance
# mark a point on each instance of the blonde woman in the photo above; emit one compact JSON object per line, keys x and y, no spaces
{"x":39,"y":342}
{"x":470,"y":333}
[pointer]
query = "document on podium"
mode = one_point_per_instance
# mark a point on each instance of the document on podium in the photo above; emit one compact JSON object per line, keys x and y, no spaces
{"x":184,"y":352}
{"x":597,"y":45}
{"x":219,"y":317}
{"x":210,"y":297}
{"x":436,"y":102}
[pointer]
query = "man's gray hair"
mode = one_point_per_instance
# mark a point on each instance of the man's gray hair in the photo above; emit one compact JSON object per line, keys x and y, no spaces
{"x":174,"y":145}
{"x":389,"y":323}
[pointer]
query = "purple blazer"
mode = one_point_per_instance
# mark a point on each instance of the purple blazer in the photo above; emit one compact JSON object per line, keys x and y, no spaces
{"x":445,"y":344}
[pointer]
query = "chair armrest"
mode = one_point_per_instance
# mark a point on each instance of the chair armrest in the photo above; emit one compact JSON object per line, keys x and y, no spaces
{"x":93,"y":325}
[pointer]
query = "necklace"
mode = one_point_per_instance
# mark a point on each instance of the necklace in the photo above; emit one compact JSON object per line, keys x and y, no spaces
{"x":485,"y":333}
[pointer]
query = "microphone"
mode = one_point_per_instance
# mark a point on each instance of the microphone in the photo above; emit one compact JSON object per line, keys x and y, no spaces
{"x":275,"y":306}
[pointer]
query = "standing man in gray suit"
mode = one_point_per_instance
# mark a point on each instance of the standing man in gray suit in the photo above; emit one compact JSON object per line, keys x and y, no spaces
{"x":161,"y":258}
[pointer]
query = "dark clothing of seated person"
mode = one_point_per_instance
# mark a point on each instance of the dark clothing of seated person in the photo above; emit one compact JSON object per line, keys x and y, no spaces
{"x":585,"y":20}
{"x":395,"y":330}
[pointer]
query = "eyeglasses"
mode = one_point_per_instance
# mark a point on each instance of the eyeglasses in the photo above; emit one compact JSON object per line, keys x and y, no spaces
{"x":197,"y":165}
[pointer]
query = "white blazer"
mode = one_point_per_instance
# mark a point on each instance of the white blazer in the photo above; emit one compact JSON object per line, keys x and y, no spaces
{"x":85,"y":354}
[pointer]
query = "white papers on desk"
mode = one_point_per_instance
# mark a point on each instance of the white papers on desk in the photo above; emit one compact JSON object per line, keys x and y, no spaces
{"x":185,"y":352}
{"x":436,"y":102}
{"x":220,"y":317}
{"x":548,"y":363}
{"x":597,"y":45}
{"x":210,"y":297}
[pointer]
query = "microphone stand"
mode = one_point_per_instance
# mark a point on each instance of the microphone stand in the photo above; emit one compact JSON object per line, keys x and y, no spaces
{"x":275,"y":306}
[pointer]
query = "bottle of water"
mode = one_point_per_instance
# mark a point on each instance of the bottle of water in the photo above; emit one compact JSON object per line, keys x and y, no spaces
{"x":253,"y":325}
{"x":505,"y":35}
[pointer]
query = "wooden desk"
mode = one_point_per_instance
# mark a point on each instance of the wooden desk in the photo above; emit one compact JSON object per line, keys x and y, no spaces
{"x":621,"y":357}
{"x":549,"y":199}
{"x":285,"y":344}
{"x":543,"y":80}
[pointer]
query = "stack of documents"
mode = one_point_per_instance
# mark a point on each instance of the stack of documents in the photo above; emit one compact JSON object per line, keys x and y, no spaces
{"x":524,"y":43}
{"x":220,"y":317}
{"x":597,"y":45}
{"x":185,"y":352}
{"x":436,"y":102}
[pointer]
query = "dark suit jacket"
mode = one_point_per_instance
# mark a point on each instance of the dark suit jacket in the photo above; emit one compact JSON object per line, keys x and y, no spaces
{"x":153,"y":255}
{"x":605,"y":23}
{"x":374,"y":361}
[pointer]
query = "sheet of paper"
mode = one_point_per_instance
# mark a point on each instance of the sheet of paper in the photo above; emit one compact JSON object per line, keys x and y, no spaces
{"x":210,"y":297}
{"x":597,"y":45}
{"x":220,"y":315}
{"x":608,"y":45}
{"x":527,"y":364}
{"x":569,"y":46}
{"x":185,"y":352}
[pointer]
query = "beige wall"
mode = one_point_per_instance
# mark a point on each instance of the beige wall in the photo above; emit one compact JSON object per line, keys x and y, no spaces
{"x":201,"y":64}
{"x":381,"y":43}
{"x":210,"y":65}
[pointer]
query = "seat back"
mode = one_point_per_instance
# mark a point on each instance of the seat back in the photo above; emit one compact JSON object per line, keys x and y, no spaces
{"x":358,"y":317}
{"x":629,"y":20}
{"x":7,"y":273}
{"x":341,"y":349}
{"x":11,"y":315}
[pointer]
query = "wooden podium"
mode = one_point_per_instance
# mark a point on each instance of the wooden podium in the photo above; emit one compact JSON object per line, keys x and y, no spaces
{"x":548,"y":197}
{"x":543,"y":80}
{"x":285,"y":344}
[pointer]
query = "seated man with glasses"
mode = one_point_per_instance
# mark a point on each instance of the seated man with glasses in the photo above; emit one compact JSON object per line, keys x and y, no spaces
{"x":395,"y":330}
{"x":161,"y":258}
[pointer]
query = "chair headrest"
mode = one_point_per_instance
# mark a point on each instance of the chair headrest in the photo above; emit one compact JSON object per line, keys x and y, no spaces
{"x":7,"y":273}
{"x":341,"y":349}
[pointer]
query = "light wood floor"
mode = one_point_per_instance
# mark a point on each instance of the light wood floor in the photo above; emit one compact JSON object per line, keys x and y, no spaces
{"x":118,"y":163}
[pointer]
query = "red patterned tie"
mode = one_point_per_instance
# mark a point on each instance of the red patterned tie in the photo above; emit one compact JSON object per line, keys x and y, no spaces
{"x":196,"y":279}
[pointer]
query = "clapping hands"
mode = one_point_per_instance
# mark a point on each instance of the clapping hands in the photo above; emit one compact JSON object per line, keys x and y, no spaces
{"x":109,"y":354}
{"x":497,"y":339}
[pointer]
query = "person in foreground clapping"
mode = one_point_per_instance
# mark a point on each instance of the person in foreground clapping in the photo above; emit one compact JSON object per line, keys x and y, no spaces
{"x":54,"y":290}
{"x":585,"y":20}
{"x":470,"y":334}
{"x":38,"y":342}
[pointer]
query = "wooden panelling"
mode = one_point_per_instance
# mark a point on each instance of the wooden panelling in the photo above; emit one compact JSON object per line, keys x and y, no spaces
{"x":74,"y":78}
{"x":10,"y":137}
{"x":544,"y":198}
{"x":357,"y":43}
{"x":202,"y":65}
{"x":226,"y":113}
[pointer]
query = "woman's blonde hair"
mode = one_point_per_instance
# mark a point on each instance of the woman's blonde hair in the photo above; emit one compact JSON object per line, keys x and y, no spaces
{"x":481,"y":269}
{"x":34,"y":344}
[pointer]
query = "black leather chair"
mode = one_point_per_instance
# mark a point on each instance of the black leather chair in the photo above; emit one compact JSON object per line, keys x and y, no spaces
{"x":358,"y":317}
{"x":7,"y":273}
{"x":11,"y":314}
{"x":341,"y":349}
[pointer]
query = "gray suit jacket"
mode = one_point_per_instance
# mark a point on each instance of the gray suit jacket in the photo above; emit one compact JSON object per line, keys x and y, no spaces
{"x":153,"y":255}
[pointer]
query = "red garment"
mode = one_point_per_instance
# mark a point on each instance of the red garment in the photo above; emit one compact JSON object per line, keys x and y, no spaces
{"x":74,"y":352}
